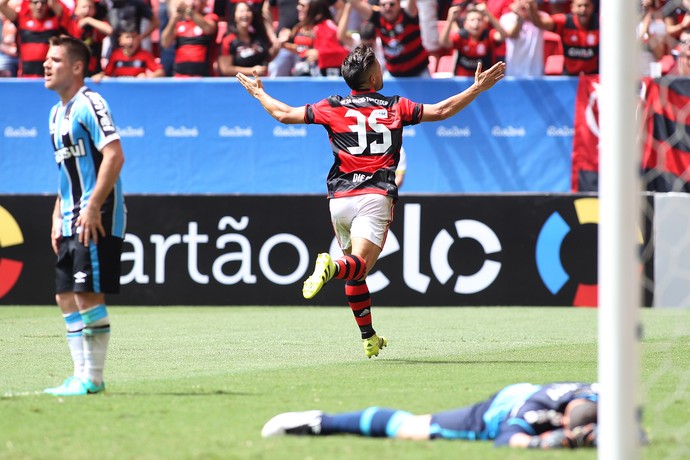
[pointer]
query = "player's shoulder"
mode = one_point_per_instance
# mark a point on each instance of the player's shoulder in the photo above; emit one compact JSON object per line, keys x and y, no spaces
{"x":87,"y":98}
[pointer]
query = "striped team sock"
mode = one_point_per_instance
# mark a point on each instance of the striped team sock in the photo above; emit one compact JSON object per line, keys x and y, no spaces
{"x":350,"y":268}
{"x":75,"y":340}
{"x":96,"y":338}
{"x":374,"y":422}
{"x":357,"y":293}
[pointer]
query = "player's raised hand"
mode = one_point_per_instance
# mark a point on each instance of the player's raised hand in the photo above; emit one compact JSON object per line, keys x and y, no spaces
{"x":488,"y":78}
{"x":253,"y":86}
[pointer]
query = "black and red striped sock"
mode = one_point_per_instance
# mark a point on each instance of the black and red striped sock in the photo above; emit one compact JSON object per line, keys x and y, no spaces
{"x":357,"y":293}
{"x":350,"y":268}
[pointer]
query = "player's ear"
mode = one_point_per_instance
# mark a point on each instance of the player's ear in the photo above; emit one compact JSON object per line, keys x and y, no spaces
{"x":79,"y":69}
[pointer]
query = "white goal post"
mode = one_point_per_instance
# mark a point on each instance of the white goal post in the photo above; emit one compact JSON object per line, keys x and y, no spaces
{"x":620,"y":217}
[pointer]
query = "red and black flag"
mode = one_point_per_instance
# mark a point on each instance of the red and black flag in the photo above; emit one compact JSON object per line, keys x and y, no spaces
{"x":585,"y":166}
{"x":666,"y":134}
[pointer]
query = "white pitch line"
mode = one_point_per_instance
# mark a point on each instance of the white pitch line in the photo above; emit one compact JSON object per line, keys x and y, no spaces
{"x":12,"y":394}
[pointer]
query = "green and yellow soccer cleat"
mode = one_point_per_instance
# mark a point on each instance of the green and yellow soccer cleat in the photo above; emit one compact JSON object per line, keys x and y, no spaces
{"x":373,"y":345}
{"x":323,"y":272}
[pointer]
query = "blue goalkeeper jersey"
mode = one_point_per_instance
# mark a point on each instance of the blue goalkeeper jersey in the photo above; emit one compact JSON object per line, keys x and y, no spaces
{"x":543,"y":410}
{"x":518,"y":408}
{"x":79,"y":130}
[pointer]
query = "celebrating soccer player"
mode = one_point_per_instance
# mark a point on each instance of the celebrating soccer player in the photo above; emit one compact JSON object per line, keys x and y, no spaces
{"x":365,"y":129}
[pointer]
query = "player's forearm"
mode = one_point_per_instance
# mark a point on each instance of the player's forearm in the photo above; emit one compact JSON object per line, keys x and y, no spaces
{"x":449,"y":107}
{"x":277,"y":109}
{"x":57,"y":213}
{"x":107,"y":174}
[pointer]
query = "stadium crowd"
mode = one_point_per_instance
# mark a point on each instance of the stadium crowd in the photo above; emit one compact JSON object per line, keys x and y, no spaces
{"x":420,"y":38}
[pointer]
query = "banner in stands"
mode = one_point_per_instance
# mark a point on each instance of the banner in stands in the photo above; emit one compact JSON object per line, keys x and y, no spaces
{"x":209,"y":136}
{"x":585,"y":176}
{"x":257,"y":250}
{"x":665,"y":125}
{"x":666,"y":149}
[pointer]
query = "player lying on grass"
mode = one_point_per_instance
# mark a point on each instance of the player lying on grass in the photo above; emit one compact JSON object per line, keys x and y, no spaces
{"x":553,"y":415}
{"x":365,"y":129}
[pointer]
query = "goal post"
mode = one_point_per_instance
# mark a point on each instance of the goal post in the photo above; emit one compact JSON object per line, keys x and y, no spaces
{"x":620,"y":218}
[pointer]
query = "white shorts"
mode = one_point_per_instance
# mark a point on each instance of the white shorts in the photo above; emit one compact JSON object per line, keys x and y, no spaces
{"x":362,"y":216}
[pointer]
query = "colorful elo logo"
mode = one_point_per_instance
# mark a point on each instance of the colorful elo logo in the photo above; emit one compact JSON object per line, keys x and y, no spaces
{"x":548,"y":251}
{"x":10,"y":235}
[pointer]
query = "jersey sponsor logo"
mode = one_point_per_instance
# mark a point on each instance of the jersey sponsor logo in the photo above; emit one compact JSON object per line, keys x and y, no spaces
{"x":102,"y":114}
{"x":181,"y":131}
{"x":75,"y":151}
{"x":235,"y":131}
{"x":20,"y":132}
{"x":289,"y":131}
{"x":130,"y":131}
{"x":581,"y":53}
{"x":508,"y":131}
{"x":560,"y":131}
{"x":453,"y":131}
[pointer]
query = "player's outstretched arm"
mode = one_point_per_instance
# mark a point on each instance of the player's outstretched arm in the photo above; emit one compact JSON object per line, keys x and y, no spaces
{"x":483,"y":80}
{"x":277,"y":109}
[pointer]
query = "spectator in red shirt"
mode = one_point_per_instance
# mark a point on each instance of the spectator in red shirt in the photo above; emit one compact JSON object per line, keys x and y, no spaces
{"x":400,"y":36}
{"x":579,"y":31}
{"x":129,"y":59}
{"x":36,"y":22}
{"x":194,"y":35}
{"x":681,"y":53}
{"x":91,"y":31}
{"x":244,"y":49}
{"x":676,"y":15}
{"x":474,"y":42}
{"x":315,"y":40}
{"x":8,"y":45}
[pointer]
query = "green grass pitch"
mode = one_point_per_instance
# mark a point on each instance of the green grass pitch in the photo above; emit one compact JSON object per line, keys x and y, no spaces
{"x":199,"y":383}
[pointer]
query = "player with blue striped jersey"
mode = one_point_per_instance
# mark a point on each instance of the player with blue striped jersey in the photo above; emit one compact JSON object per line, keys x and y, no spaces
{"x":554,"y":415}
{"x":89,"y":215}
{"x":79,"y":130}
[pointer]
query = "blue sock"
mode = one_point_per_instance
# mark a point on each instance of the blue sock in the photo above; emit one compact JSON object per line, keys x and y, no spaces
{"x":374,"y":422}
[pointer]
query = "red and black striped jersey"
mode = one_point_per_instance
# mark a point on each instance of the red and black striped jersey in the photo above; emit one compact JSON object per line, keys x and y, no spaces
{"x":32,"y":38}
{"x":93,"y":38}
{"x":402,"y":44}
{"x":121,"y":65}
{"x":471,"y":50}
{"x":365,"y":130}
{"x":195,"y":52}
{"x":580,"y":44}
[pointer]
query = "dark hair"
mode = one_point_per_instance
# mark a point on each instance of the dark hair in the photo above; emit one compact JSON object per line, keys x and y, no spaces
{"x":357,"y":67}
{"x":367,"y":31}
{"x":317,"y":11}
{"x":77,"y":51}
{"x":255,"y":31}
{"x":583,"y":413}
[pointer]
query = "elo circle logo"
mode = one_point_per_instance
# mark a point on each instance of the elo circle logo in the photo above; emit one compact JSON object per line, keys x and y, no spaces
{"x":10,"y":235}
{"x":548,"y":251}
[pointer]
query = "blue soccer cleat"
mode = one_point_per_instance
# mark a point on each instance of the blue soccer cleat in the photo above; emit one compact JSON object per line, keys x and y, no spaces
{"x":74,"y":386}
